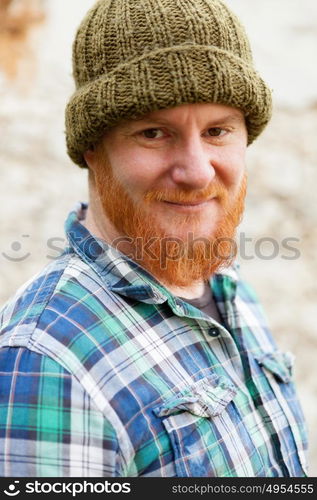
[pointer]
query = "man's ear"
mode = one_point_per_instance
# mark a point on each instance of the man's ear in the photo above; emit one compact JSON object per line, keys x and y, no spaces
{"x":90,"y":157}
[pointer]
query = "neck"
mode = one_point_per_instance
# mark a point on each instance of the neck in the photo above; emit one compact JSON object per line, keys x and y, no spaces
{"x":192,"y":291}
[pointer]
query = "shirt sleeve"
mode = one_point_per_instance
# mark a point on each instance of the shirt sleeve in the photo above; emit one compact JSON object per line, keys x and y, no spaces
{"x":49,"y":425}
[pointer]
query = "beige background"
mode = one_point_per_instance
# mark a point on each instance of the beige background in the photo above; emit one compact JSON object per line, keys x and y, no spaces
{"x":39,"y":185}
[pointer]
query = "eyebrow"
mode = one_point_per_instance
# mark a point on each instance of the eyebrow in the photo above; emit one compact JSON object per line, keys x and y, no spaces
{"x":229,"y":118}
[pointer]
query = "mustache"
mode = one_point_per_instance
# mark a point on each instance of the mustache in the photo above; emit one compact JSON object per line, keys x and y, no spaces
{"x":215,"y":190}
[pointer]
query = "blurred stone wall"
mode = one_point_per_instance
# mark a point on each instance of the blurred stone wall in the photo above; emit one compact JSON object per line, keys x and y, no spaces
{"x":39,"y":185}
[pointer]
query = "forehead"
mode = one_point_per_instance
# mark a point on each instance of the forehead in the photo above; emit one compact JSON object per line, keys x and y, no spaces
{"x":189,"y":112}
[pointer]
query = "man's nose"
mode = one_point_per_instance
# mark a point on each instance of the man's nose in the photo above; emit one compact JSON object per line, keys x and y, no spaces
{"x":192,"y":164}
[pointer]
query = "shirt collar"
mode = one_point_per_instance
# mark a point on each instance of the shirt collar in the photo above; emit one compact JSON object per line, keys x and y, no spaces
{"x":121,"y":274}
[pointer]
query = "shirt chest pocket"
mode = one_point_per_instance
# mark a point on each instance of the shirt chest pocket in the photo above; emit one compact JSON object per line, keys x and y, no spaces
{"x":277,"y":367}
{"x":201,"y":425}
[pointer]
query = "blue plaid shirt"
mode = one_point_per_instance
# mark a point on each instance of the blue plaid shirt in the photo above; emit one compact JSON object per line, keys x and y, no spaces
{"x":104,"y":372}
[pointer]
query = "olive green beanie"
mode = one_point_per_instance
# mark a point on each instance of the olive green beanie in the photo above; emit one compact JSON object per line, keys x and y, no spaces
{"x":131,"y":57}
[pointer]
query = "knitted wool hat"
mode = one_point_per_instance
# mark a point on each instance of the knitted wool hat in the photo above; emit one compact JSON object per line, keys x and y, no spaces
{"x":131,"y":57}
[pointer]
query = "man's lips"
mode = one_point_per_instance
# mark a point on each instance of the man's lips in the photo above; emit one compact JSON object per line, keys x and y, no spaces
{"x":188,"y":205}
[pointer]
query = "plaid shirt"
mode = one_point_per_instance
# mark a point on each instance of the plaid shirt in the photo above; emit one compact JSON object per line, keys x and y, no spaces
{"x":106,"y":373}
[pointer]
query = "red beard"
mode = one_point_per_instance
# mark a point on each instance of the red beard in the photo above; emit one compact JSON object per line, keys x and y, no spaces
{"x":173,"y":261}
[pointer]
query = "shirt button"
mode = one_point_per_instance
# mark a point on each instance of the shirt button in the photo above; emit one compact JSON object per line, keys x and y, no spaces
{"x":214,"y":332}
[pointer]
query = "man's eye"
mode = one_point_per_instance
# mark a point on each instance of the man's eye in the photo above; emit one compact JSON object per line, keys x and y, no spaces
{"x":215,"y":132}
{"x":152,"y":133}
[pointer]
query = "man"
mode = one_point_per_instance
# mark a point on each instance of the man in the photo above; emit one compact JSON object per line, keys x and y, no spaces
{"x":139,"y":351}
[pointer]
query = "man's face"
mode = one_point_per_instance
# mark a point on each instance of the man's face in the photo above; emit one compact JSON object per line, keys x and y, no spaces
{"x":173,"y":182}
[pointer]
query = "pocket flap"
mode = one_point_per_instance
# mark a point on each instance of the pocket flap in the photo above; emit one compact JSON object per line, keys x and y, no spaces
{"x":279,"y":363}
{"x":206,"y":398}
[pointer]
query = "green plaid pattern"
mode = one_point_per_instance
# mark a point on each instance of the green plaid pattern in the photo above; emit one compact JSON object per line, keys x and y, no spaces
{"x":106,"y":373}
